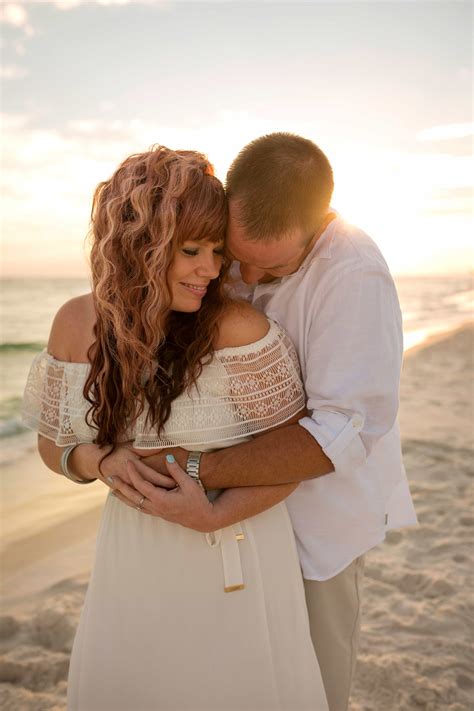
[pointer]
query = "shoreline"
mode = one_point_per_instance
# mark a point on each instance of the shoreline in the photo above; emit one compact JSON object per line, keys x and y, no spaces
{"x":434,"y":335}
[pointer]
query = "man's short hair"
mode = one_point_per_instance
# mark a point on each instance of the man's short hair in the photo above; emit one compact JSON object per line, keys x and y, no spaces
{"x":280,"y":182}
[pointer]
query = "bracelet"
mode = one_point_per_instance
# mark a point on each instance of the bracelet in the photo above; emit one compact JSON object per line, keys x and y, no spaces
{"x":65,"y":470}
{"x":192,"y":468}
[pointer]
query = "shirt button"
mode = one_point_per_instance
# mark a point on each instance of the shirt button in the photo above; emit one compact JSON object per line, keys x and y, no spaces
{"x":357,"y":422}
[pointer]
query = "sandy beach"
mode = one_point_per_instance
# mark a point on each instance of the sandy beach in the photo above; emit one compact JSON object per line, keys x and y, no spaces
{"x":417,"y":642}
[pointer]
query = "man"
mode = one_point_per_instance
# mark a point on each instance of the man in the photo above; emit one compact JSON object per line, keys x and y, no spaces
{"x":328,"y":285}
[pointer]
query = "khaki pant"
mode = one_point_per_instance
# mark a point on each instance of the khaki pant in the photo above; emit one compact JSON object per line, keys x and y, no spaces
{"x":334,"y":616}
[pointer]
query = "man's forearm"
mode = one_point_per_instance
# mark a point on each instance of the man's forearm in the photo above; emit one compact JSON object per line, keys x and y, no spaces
{"x":288,"y":454}
{"x":235,"y":505}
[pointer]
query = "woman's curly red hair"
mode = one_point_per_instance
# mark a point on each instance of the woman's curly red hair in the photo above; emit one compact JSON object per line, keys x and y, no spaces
{"x":144,"y":354}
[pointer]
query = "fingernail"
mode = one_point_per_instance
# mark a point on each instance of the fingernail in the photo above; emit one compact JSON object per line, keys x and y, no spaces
{"x":170,"y":459}
{"x":110,"y":479}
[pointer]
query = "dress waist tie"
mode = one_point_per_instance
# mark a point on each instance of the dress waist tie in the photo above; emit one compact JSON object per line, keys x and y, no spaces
{"x":228,"y":539}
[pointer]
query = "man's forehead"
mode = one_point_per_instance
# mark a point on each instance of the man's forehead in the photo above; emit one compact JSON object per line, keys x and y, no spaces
{"x":240,"y":245}
{"x":265,"y":254}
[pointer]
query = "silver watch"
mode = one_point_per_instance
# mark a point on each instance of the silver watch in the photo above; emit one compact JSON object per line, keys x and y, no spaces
{"x":192,"y":468}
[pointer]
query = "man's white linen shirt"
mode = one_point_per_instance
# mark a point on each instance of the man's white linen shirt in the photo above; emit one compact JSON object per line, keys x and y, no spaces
{"x":341,"y":310}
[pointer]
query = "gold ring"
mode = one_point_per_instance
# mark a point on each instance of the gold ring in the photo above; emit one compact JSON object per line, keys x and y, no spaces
{"x":140,"y":504}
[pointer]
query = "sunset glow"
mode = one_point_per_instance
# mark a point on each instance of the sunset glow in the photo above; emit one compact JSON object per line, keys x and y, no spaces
{"x":402,"y":161}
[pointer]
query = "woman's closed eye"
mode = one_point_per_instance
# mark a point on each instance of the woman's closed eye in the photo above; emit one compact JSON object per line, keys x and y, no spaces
{"x":194,"y":252}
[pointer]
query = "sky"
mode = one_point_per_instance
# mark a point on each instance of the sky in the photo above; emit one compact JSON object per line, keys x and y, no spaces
{"x":384,"y":88}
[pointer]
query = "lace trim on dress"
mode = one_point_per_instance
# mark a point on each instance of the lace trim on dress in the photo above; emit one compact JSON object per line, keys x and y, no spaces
{"x":241,"y":392}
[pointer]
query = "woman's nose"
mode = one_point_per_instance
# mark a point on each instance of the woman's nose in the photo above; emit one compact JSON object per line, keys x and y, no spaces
{"x":210,"y":266}
{"x":250,"y":274}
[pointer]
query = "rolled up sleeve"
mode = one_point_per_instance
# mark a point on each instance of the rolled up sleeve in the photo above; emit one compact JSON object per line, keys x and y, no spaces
{"x":353,"y":359}
{"x":339,"y":438}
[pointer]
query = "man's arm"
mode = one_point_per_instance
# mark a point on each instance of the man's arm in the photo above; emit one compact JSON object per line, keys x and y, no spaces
{"x":287,"y":454}
{"x":284,"y":455}
{"x":188,"y":505}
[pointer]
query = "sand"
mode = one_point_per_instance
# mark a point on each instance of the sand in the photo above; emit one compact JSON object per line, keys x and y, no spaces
{"x":417,"y":633}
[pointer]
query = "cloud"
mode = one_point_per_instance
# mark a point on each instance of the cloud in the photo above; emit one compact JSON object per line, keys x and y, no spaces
{"x":71,"y":4}
{"x":451,"y":201}
{"x":447,"y":132}
{"x":49,"y":176}
{"x":14,"y":14}
{"x":68,"y":162}
{"x":11,"y":71}
{"x":11,"y":122}
{"x":105,"y":106}
{"x":47,"y":181}
{"x":20,"y":49}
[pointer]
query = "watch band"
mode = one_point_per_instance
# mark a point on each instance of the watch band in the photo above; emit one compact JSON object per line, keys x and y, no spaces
{"x":192,"y":468}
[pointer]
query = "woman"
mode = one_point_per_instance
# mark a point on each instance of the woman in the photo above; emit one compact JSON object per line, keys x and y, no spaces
{"x":156,"y":356}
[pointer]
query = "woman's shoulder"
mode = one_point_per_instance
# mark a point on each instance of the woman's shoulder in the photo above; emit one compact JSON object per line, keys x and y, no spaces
{"x":240,"y":325}
{"x":72,"y":332}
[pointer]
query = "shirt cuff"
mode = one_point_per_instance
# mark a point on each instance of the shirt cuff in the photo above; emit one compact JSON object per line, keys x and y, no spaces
{"x":339,"y":437}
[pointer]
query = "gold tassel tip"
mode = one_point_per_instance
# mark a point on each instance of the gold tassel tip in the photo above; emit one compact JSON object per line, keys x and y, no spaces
{"x":232,"y":588}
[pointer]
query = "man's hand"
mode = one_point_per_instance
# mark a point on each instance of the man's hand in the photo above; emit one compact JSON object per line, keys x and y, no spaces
{"x":186,"y":504}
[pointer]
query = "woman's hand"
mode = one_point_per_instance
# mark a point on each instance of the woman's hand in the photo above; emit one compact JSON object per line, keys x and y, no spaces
{"x":85,"y":459}
{"x":156,"y":458}
{"x":186,"y":504}
{"x":156,"y":471}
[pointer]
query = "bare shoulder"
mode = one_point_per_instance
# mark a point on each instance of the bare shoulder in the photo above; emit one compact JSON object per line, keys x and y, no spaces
{"x":72,"y":332}
{"x":241,"y":325}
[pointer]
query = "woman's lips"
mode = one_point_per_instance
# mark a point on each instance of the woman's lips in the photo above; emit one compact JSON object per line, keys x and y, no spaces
{"x":196,"y":289}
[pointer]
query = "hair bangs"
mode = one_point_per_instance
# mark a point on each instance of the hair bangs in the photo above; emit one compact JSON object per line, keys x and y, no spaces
{"x":202,"y":214}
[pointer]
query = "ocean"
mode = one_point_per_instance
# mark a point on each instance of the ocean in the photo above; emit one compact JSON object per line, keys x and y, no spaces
{"x":429,"y":305}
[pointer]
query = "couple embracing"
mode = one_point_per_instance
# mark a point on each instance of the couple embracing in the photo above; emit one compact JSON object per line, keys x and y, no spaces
{"x":233,"y":378}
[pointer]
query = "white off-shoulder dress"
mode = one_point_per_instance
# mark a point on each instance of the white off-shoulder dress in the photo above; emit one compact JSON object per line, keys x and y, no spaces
{"x":174,"y":619}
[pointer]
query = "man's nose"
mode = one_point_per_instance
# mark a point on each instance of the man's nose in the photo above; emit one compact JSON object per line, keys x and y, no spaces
{"x":250,"y":274}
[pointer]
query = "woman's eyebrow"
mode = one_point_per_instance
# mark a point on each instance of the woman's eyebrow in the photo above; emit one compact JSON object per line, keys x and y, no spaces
{"x":200,"y":241}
